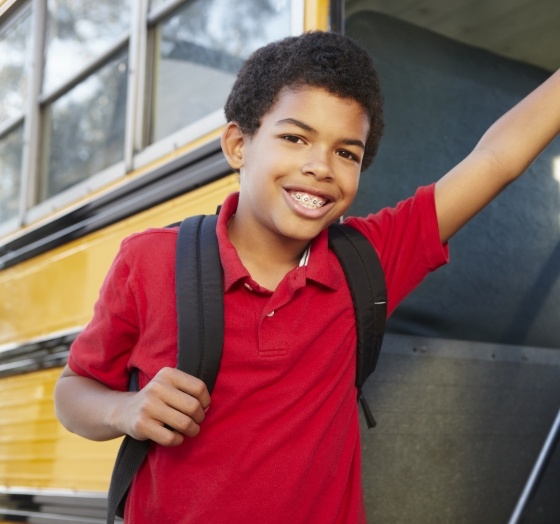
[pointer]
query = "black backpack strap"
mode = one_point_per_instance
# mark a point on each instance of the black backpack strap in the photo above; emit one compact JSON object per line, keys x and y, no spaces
{"x":129,"y":459}
{"x":200,"y":320}
{"x":200,"y":299}
{"x":366,"y":281}
{"x":131,"y":454}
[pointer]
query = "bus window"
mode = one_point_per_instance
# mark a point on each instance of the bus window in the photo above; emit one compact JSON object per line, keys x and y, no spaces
{"x":14,"y":48}
{"x":78,"y":32}
{"x":92,"y":92}
{"x":83,"y":131}
{"x":14,"y":54}
{"x":11,"y":146}
{"x":199,"y":49}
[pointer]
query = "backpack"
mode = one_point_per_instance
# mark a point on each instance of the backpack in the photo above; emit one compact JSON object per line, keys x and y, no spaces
{"x":200,"y":318}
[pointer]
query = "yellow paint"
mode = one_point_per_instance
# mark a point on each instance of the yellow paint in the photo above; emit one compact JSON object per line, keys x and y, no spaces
{"x":5,"y":5}
{"x":56,"y":291}
{"x":53,"y":292}
{"x":316,"y":15}
{"x":36,"y":451}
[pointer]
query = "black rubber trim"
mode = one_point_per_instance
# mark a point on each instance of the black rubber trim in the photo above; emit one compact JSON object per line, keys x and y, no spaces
{"x":336,"y":16}
{"x":33,"y":356}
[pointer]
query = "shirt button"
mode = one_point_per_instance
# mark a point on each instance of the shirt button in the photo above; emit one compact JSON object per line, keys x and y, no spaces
{"x":271,"y":314}
{"x":248,"y":286}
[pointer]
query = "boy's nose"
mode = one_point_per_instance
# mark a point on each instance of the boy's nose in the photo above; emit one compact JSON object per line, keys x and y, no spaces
{"x":317,"y":166}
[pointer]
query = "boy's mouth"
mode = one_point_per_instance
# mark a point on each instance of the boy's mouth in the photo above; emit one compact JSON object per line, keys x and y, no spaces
{"x":307,"y":200}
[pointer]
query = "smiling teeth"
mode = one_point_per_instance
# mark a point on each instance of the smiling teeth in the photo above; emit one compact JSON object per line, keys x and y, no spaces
{"x":308,"y":201}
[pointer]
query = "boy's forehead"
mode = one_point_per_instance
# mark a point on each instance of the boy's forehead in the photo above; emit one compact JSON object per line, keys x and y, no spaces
{"x":309,"y":105}
{"x":301,"y":91}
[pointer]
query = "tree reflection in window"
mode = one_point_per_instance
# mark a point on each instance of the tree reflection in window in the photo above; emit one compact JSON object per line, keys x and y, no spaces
{"x":201,"y":46}
{"x":11,"y":146}
{"x":78,"y":32}
{"x":84,"y":129}
{"x":14,"y":48}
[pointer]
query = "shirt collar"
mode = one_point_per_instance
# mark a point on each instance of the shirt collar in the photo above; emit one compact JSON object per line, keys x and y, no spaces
{"x":318,"y":262}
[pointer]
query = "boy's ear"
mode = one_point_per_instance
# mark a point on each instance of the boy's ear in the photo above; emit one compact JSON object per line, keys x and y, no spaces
{"x":232,"y":142}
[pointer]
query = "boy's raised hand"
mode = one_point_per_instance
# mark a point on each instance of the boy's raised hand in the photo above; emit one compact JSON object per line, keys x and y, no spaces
{"x":502,"y":154}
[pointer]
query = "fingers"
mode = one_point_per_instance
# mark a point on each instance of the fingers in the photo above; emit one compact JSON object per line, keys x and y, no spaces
{"x":185,"y":393}
{"x":172,"y":405}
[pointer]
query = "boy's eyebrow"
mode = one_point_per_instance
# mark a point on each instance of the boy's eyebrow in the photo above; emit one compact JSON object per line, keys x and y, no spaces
{"x":309,"y":129}
{"x":297,"y":123}
{"x":354,"y":142}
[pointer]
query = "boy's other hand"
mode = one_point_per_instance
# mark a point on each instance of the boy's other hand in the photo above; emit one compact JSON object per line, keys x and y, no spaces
{"x":171,"y":406}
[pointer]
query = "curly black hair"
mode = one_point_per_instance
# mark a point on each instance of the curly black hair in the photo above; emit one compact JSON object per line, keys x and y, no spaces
{"x":327,"y":60}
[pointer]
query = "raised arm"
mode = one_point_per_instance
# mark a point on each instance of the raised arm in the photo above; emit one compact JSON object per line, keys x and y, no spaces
{"x":502,"y":155}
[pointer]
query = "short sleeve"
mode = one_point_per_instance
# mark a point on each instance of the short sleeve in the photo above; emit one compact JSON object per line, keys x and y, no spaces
{"x":407,"y":241}
{"x":102,"y":350}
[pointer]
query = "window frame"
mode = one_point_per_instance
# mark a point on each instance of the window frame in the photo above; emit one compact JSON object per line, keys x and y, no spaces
{"x":138,"y":154}
{"x":11,"y":12}
{"x":147,"y":153}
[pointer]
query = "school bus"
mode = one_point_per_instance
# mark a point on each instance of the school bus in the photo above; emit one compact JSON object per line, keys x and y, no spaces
{"x":110,"y":116}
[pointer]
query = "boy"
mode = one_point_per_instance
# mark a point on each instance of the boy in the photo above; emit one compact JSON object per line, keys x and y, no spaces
{"x":279,"y":440}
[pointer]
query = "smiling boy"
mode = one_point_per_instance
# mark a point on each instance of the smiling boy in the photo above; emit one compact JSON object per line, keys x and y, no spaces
{"x":306,"y":180}
{"x":279,"y":440}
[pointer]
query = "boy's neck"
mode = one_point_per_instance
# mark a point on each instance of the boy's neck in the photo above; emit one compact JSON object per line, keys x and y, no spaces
{"x":268,"y":258}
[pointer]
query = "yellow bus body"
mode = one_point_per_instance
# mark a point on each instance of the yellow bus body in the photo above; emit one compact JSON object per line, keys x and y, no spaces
{"x":62,"y":285}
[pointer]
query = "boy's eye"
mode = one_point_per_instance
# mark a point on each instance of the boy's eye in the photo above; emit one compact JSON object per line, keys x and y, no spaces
{"x":349,"y":155}
{"x":293,"y":138}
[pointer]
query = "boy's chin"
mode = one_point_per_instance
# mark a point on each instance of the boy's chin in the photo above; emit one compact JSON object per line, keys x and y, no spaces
{"x":304,"y":232}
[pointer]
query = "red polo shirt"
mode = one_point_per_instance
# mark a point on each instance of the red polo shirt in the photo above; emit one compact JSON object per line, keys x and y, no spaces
{"x":280,"y":442}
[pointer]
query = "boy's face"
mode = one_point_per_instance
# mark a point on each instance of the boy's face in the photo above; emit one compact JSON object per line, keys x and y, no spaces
{"x":300,"y":170}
